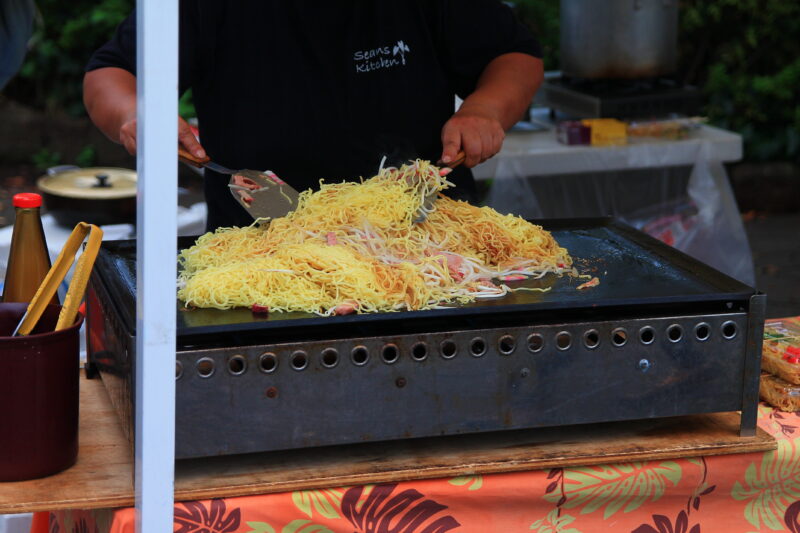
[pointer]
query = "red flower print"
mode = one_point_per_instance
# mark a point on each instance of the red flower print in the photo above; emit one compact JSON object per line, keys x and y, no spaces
{"x":791,"y":517}
{"x":195,"y":517}
{"x":664,"y":525}
{"x":408,"y":511}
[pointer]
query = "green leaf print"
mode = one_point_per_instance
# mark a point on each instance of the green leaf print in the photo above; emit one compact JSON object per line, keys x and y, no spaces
{"x":475,"y":482}
{"x":553,"y":523}
{"x":304,"y":526}
{"x":613,"y":487}
{"x":770,"y":488}
{"x":325,"y":502}
{"x":260,"y":527}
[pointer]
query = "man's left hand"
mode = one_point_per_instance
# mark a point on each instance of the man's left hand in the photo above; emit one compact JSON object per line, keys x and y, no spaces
{"x":474,"y":130}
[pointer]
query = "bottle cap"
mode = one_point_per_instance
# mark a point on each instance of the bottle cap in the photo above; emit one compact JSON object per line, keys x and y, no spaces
{"x":27,"y":199}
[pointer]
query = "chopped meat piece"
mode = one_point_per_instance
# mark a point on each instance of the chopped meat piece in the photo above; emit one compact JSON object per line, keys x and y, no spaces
{"x":346,"y":308}
{"x":594,"y":282}
{"x":259,"y":309}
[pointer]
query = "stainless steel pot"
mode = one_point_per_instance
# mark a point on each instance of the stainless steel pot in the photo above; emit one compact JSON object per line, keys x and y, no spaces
{"x":606,"y":39}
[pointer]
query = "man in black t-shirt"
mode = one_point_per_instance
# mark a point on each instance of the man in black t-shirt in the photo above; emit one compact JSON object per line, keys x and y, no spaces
{"x":323,"y":90}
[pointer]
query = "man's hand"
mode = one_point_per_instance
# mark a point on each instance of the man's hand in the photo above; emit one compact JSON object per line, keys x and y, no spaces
{"x":503,"y":93}
{"x":186,"y":138}
{"x":476,"y":131}
{"x":110,"y":98}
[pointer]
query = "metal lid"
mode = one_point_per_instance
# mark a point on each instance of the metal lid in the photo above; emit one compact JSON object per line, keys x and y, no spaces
{"x":97,"y":183}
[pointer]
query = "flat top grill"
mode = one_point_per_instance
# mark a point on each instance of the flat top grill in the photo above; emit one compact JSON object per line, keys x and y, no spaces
{"x":634,"y":270}
{"x":662,"y":335}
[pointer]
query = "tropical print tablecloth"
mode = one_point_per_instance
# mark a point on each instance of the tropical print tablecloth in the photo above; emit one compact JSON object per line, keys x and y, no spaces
{"x":745,"y":493}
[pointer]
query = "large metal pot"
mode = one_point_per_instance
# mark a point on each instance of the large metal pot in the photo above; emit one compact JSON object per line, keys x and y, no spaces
{"x":607,"y":39}
{"x":100,"y":195}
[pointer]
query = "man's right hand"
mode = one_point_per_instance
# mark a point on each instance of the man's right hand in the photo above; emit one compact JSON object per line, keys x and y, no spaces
{"x":110,"y":97}
{"x":186,"y":138}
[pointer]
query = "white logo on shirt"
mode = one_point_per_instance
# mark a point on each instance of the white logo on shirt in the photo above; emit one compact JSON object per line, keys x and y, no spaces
{"x":381,"y":58}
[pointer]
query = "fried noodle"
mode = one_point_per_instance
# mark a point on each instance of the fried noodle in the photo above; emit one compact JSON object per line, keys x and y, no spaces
{"x":357,"y":245}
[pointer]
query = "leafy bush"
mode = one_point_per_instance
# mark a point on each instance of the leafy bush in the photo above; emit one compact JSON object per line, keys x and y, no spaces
{"x":65,"y":35}
{"x":746,"y":56}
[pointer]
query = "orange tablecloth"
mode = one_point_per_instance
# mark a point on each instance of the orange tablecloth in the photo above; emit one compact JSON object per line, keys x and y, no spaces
{"x":729,"y":494}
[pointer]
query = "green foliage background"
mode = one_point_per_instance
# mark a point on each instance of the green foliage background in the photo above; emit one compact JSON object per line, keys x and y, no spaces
{"x":65,"y":35}
{"x":745,"y":54}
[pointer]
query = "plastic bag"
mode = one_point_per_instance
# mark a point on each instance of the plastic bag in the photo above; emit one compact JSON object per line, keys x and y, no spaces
{"x":707,"y":225}
{"x":692,"y":209}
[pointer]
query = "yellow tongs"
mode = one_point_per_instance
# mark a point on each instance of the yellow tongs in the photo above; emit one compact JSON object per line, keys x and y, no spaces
{"x":57,"y":273}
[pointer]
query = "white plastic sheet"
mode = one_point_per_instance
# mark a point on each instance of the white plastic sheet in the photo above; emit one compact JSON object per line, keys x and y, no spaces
{"x":690,"y":208}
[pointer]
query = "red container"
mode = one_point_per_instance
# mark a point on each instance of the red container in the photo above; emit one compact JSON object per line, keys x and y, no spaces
{"x":38,"y":395}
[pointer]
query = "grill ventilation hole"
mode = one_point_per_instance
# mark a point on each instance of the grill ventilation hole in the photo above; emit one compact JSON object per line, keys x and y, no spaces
{"x":507,"y":345}
{"x":477,"y":347}
{"x":419,"y":352}
{"x":619,"y":337}
{"x":647,"y":335}
{"x":729,"y":330}
{"x":675,"y":333}
{"x":237,"y":365}
{"x":330,"y":357}
{"x":360,"y":355}
{"x":535,"y":342}
{"x":390,"y":353}
{"x":299,"y":360}
{"x":563,"y":340}
{"x":268,"y":362}
{"x":591,"y":339}
{"x":205,"y":367}
{"x":702,"y":331}
{"x":449,"y":349}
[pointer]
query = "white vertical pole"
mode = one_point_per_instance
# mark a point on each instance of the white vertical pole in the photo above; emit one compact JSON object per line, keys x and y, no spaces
{"x":156,"y":231}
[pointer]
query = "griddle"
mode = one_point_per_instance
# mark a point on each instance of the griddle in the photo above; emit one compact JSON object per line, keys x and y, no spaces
{"x":634,"y":270}
{"x":662,"y":335}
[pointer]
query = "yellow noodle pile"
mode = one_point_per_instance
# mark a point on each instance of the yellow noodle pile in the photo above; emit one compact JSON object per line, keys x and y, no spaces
{"x":357,"y":245}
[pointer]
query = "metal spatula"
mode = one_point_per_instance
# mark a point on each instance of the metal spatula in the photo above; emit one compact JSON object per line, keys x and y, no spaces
{"x":262,"y":194}
{"x":445,"y":169}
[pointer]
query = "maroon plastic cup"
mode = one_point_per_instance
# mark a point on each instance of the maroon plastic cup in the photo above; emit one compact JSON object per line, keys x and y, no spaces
{"x":38,"y":395}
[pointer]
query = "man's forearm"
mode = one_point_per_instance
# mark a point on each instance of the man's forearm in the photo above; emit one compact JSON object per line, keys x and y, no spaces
{"x":506,"y":87}
{"x":503,"y":93}
{"x":109,"y":95}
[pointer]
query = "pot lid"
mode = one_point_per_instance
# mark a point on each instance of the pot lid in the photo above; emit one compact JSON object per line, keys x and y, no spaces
{"x":94,"y":183}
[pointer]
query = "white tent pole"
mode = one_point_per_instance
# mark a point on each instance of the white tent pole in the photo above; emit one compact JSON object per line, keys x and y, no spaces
{"x":156,"y":231}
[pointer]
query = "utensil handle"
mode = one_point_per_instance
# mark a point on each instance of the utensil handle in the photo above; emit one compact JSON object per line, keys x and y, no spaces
{"x":57,"y":274}
{"x":190,"y":159}
{"x":460,"y":157}
{"x":80,"y":279}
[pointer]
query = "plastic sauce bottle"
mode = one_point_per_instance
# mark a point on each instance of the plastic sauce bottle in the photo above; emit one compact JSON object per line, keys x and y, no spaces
{"x":28,"y":259}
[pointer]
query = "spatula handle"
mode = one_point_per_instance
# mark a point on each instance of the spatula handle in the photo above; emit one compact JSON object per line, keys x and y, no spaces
{"x":190,"y":159}
{"x":460,"y":157}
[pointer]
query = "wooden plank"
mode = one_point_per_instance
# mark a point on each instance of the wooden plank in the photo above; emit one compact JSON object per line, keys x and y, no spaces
{"x":103,"y":475}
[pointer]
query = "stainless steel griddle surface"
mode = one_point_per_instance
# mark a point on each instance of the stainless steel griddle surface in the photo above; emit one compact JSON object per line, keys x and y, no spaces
{"x":634,"y":270}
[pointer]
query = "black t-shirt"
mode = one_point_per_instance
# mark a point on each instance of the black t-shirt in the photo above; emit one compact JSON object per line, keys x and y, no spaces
{"x":323,"y":90}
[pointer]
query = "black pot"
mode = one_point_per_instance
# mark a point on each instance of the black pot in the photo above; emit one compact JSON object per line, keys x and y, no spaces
{"x":100,"y":195}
